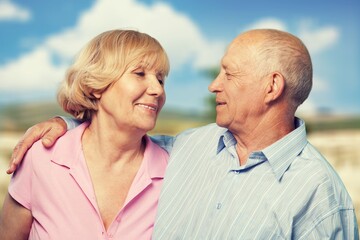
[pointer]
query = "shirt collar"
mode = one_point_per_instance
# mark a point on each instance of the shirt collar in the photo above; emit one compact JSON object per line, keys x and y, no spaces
{"x":279,"y":154}
{"x":68,"y":148}
{"x":284,"y":151}
{"x":226,"y":140}
{"x":67,"y":153}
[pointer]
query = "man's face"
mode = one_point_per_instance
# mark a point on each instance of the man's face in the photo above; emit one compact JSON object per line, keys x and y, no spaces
{"x":239,"y":92}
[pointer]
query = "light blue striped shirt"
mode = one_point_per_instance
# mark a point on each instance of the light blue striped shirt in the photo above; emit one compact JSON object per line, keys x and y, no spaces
{"x":286,"y":191}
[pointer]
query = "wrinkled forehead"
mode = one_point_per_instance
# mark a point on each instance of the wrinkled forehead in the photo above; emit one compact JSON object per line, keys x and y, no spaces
{"x":228,"y":61}
{"x":235,"y":56}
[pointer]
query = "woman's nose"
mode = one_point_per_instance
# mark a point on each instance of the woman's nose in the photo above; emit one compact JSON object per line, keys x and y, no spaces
{"x":155,"y":87}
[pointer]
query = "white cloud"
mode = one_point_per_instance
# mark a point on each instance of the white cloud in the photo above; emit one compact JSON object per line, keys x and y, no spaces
{"x":320,"y":39}
{"x":11,"y":12}
{"x":271,"y":23}
{"x":177,"y":33}
{"x":32,"y":71}
{"x":317,"y":39}
{"x":320,"y":85}
{"x":180,"y":37}
{"x":308,"y":108}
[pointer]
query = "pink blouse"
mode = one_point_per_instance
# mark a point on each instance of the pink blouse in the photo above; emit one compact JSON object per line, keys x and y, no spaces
{"x":55,"y":185}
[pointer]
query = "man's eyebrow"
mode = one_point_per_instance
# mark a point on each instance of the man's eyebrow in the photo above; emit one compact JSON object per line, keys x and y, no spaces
{"x":224,"y":65}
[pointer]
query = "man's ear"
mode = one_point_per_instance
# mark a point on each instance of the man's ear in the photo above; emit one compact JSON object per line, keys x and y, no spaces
{"x":276,"y":86}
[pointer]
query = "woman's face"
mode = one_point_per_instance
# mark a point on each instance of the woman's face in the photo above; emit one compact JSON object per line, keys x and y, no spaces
{"x":135,"y":100}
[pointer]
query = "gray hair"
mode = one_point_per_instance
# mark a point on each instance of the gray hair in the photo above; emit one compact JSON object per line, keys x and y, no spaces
{"x":287,"y":54}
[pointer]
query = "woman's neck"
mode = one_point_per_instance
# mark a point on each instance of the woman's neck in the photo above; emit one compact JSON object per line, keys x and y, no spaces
{"x":112,"y":144}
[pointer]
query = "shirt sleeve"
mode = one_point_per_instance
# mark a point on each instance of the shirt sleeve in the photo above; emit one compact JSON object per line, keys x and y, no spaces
{"x":340,"y":225}
{"x":20,"y":185}
{"x":163,"y":141}
{"x":70,"y":122}
{"x":167,"y":142}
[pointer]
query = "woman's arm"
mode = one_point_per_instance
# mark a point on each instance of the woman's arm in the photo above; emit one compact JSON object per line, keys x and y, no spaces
{"x":15,"y":220}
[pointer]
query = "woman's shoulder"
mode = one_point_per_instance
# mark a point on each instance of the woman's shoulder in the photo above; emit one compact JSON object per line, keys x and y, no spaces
{"x":38,"y":154}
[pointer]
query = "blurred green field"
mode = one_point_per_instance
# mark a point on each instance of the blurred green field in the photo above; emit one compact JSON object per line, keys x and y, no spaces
{"x":19,"y":117}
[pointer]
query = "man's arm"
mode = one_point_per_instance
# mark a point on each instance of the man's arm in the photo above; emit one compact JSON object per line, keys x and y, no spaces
{"x":49,"y":131}
{"x":15,"y":220}
{"x":342,"y":224}
{"x":164,"y":141}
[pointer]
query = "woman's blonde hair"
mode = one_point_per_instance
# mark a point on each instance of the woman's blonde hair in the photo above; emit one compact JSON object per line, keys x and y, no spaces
{"x":102,"y":62}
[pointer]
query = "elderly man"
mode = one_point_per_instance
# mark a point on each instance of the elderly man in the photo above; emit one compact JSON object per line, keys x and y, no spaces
{"x":253,"y":174}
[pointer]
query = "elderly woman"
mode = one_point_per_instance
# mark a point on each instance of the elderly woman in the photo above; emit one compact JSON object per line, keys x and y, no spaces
{"x":102,"y":179}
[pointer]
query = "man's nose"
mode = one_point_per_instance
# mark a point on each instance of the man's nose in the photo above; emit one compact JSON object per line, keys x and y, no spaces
{"x":216,"y":85}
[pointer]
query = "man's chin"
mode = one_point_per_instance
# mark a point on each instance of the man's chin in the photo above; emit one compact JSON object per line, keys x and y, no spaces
{"x":220,"y":123}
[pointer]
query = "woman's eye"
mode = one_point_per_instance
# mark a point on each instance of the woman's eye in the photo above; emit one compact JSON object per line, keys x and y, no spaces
{"x":140,"y":74}
{"x":161,"y":81}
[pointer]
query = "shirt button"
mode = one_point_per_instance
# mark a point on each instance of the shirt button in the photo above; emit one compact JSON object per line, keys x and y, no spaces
{"x":218,"y":206}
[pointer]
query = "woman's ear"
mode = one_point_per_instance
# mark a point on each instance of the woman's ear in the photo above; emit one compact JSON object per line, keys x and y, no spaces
{"x":276,"y":86}
{"x":97,"y":95}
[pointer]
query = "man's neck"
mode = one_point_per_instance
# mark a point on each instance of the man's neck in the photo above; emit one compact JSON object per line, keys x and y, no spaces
{"x":262,"y":135}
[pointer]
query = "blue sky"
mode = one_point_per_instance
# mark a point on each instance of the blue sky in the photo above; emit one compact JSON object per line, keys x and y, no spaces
{"x":40,"y":38}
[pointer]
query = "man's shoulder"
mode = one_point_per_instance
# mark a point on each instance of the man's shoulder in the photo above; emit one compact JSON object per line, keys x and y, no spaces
{"x":209,"y":129}
{"x":189,"y":136}
{"x":199,"y":137}
{"x":324,"y":177}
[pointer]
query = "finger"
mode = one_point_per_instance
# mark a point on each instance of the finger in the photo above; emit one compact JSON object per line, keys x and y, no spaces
{"x":11,"y":168}
{"x":51,"y":136}
{"x":58,"y":128}
{"x":26,"y":141}
{"x":49,"y":131}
